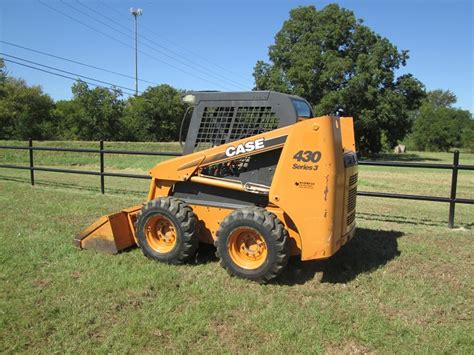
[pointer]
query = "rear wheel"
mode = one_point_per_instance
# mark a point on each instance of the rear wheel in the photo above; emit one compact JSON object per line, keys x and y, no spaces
{"x":252,"y":243}
{"x":166,"y":230}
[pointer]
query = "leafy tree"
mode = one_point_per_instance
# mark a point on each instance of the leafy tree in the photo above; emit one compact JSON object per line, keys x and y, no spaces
{"x":94,"y":114}
{"x":439,"y":126}
{"x":337,"y":63}
{"x":25,"y":111}
{"x":154,"y":116}
{"x":440,"y":98}
{"x":3,"y":78}
{"x":3,"y":73}
{"x":467,"y":136}
{"x":67,"y":115}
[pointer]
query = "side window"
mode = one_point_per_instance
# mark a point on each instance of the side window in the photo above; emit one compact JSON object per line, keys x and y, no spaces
{"x":302,"y":109}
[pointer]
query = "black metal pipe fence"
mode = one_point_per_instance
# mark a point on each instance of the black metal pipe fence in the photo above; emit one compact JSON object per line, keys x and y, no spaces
{"x":452,"y":199}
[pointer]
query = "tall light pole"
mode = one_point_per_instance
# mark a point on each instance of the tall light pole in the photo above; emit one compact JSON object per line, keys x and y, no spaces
{"x":135,"y":13}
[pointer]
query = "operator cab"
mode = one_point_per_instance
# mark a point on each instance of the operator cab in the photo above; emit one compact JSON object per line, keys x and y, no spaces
{"x":222,"y":117}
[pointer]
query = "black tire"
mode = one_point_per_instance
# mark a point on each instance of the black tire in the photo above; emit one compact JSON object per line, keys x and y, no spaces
{"x":269,"y":228}
{"x":181,"y":222}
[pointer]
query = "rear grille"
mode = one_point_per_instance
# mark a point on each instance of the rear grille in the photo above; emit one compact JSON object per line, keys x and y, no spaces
{"x":353,"y":179}
{"x":351,"y":218}
{"x":351,"y":205}
{"x":351,"y":200}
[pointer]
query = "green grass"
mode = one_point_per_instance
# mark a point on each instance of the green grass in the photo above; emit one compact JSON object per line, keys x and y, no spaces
{"x":403,"y":284}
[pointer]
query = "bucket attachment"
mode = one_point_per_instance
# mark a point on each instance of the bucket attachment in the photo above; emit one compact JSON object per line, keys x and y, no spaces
{"x":110,"y":234}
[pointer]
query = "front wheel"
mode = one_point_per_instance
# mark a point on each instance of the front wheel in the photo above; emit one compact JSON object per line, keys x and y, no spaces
{"x":165,"y":230}
{"x":252,"y":243}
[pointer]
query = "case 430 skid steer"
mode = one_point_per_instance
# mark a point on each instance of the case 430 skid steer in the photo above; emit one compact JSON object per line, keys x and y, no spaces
{"x":259,"y":178}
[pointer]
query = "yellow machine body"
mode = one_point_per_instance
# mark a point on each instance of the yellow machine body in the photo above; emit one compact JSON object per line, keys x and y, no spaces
{"x":312,"y":192}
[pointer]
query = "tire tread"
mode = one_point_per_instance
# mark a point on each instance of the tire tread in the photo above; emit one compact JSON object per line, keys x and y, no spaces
{"x":187,"y":223}
{"x":277,"y":231}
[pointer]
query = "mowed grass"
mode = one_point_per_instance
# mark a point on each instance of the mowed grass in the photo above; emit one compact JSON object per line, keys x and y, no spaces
{"x":419,"y":181}
{"x":403,"y":284}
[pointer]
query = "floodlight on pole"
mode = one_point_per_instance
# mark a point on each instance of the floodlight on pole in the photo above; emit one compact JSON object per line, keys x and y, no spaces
{"x":135,"y":13}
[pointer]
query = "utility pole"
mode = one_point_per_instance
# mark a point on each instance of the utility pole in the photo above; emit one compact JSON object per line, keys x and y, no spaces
{"x":135,"y":13}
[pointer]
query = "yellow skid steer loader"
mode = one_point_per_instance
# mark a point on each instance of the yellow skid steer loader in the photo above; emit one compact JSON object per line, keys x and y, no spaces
{"x":259,"y":178}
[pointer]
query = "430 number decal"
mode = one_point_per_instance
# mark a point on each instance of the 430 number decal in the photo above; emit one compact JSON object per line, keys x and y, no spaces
{"x":308,"y":156}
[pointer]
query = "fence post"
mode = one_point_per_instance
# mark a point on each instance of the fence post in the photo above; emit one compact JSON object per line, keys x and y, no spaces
{"x":32,"y":167}
{"x":454,"y":185}
{"x":102,"y":180}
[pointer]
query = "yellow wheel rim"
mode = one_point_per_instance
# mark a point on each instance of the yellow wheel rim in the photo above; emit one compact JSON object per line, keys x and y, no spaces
{"x":160,"y":234}
{"x":247,"y":248}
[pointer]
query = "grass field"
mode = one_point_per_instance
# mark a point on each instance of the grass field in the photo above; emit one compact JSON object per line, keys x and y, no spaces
{"x":404,"y":284}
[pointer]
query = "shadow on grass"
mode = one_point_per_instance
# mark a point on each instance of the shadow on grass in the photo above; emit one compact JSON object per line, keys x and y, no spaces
{"x":206,"y":253}
{"x":399,"y":157}
{"x":73,"y":186}
{"x":367,"y":251}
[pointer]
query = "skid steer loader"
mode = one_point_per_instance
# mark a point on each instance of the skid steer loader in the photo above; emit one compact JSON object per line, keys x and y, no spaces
{"x":260,"y":178}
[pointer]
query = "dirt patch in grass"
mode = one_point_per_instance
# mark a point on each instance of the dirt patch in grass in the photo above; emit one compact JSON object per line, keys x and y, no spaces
{"x":239,"y":326}
{"x":41,"y":283}
{"x":345,"y":348}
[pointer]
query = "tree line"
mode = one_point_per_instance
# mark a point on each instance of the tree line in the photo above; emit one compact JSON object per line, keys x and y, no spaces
{"x":92,"y":113}
{"x":326,"y":56}
{"x":341,"y":66}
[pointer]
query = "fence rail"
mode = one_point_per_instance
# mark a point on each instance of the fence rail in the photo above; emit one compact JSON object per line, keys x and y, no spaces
{"x":452,"y":199}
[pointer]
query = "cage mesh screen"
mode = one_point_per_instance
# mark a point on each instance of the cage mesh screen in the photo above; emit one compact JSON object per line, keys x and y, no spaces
{"x":214,"y":128}
{"x":250,"y":121}
{"x":221,"y":125}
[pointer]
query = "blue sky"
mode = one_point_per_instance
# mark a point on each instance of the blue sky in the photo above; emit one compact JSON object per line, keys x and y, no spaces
{"x":213,"y":45}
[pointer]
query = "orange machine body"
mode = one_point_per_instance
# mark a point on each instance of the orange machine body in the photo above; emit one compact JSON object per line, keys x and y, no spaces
{"x":312,"y":191}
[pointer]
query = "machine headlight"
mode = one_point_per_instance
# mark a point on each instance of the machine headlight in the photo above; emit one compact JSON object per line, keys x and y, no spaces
{"x":189,"y":99}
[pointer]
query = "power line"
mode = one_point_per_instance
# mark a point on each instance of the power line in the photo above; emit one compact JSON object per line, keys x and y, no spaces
{"x":220,"y":76}
{"x":229,"y":80}
{"x":197,"y":55}
{"x":105,"y":5}
{"x":67,"y":72}
{"x":76,"y":62}
{"x":125,"y":44}
{"x":126,"y":34}
{"x":61,"y":75}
